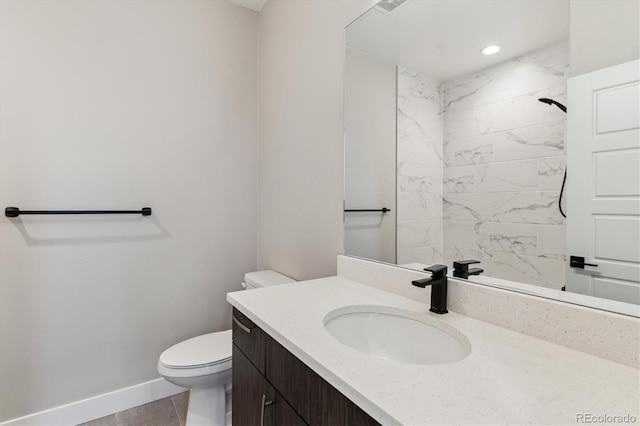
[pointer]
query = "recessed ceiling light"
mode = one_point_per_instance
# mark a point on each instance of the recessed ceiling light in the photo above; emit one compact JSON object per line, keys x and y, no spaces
{"x":490,"y":50}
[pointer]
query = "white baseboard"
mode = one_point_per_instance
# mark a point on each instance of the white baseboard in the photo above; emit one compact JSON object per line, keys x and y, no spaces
{"x":99,"y":406}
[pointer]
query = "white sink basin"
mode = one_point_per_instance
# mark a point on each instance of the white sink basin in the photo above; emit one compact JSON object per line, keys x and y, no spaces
{"x":396,"y":337}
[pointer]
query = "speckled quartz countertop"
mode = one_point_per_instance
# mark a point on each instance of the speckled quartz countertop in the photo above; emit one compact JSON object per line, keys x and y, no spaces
{"x":508,"y":378}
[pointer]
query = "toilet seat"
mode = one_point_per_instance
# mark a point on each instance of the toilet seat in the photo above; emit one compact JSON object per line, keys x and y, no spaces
{"x":203,"y":364}
{"x":209,"y":351}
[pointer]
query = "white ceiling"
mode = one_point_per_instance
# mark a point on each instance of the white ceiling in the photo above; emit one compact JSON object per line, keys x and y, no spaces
{"x":443,"y":38}
{"x":256,"y":5}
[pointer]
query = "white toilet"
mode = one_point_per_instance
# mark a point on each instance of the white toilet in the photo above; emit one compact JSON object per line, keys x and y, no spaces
{"x":203,"y":363}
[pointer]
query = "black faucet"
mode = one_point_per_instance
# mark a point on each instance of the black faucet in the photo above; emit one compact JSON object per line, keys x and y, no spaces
{"x":438,"y":281}
{"x":461,"y":269}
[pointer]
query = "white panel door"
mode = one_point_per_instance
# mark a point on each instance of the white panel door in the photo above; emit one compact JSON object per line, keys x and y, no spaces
{"x":603,"y":182}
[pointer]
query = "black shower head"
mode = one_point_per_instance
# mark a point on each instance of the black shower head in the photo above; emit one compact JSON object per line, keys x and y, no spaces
{"x":552,"y":102}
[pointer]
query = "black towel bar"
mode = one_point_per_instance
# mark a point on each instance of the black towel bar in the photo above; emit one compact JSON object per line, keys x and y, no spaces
{"x":383,"y":210}
{"x":15,"y":211}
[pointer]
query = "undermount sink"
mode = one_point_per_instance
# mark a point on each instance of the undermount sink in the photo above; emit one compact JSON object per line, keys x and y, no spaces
{"x":396,"y":337}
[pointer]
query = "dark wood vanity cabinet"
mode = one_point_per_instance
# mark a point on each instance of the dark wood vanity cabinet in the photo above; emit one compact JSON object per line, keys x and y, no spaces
{"x":255,"y":401}
{"x":273,"y":387}
{"x":249,"y":386}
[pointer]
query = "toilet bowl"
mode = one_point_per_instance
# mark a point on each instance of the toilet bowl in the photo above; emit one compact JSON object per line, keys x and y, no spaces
{"x":203,"y":364}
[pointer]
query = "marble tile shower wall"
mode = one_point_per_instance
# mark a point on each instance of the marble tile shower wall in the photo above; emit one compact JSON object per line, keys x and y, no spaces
{"x":504,"y":159}
{"x":420,"y":167}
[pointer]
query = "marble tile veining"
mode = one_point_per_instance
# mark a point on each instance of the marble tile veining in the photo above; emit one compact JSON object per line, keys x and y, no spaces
{"x":539,"y":140}
{"x":458,"y":124}
{"x":551,"y":241}
{"x":515,"y":238}
{"x":535,"y":71}
{"x":500,"y":154}
{"x":529,"y":269}
{"x":414,"y":177}
{"x":529,"y":207}
{"x":510,"y":176}
{"x":459,"y":233}
{"x":550,"y":173}
{"x":460,"y":179}
{"x":419,"y":233}
{"x":466,"y":151}
{"x":419,"y":206}
{"x":505,"y":115}
{"x":468,"y":206}
{"x":420,"y":150}
{"x":504,"y":159}
{"x":419,"y":168}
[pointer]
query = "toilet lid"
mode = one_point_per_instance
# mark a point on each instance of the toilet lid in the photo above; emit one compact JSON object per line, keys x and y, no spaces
{"x":201,"y":351}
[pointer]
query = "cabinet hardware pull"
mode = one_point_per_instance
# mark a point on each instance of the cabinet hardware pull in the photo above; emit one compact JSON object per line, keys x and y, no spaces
{"x":241,"y":325}
{"x":264,"y":404}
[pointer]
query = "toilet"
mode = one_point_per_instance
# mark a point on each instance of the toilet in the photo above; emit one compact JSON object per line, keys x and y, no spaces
{"x":203,"y":363}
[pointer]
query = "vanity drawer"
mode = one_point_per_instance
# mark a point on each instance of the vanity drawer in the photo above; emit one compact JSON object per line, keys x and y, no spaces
{"x":250,"y":339}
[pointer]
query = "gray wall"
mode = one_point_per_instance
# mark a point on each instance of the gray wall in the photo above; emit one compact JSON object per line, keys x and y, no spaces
{"x":300,"y":134}
{"x":603,"y":33}
{"x":120,"y":105}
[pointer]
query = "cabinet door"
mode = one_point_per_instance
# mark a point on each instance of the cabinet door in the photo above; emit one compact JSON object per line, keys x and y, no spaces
{"x":286,"y":415}
{"x":255,"y":401}
{"x":314,"y":398}
{"x":253,"y":396}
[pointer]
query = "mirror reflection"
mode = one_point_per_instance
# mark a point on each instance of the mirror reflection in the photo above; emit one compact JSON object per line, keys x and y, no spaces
{"x":455,"y":120}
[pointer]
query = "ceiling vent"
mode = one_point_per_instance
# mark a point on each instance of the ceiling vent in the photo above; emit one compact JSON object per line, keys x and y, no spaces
{"x":389,"y":6}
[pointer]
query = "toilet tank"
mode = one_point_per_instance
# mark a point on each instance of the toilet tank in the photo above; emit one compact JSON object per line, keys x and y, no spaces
{"x":266,"y":278}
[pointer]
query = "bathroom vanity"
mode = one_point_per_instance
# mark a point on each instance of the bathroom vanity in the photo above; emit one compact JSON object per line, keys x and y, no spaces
{"x":290,"y":370}
{"x":273,"y":387}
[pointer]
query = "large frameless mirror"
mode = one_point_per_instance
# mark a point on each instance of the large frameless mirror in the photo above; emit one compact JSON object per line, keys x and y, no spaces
{"x":456,"y":150}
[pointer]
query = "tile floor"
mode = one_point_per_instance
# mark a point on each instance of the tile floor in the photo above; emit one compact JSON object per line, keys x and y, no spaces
{"x":171,"y":411}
